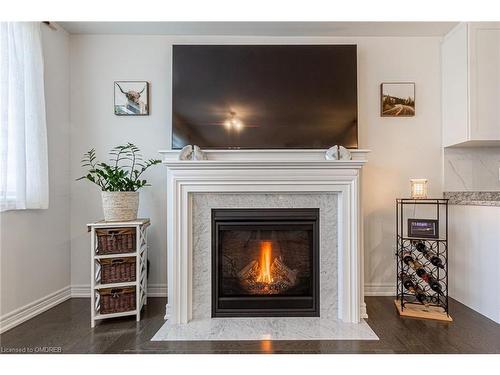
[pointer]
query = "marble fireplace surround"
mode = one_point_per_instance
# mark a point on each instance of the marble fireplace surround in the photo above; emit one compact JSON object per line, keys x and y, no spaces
{"x":203,"y":203}
{"x":271,"y":172}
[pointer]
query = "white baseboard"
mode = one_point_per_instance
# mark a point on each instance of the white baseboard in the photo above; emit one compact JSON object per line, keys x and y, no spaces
{"x":157,"y":290}
{"x":22,"y":314}
{"x":83,"y":291}
{"x":380,"y":290}
{"x":80,"y":291}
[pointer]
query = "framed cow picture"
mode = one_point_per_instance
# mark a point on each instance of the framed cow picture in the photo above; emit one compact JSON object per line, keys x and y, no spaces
{"x":131,"y":98}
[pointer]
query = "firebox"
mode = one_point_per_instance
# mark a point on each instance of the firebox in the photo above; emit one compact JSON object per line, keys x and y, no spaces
{"x":265,"y":262}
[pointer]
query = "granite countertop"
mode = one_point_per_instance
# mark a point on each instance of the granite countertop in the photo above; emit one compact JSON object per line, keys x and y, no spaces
{"x":473,"y":198}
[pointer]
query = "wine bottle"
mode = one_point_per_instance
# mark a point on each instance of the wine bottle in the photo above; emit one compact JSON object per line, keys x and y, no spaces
{"x":429,"y":255}
{"x":435,"y":286}
{"x":408,"y":259}
{"x":413,"y":263}
{"x":407,"y":281}
{"x":433,"y":283}
{"x":420,"y":246}
{"x":421,"y":296}
{"x":420,"y":270}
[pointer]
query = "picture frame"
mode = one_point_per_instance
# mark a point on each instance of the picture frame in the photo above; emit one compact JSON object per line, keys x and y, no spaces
{"x":397,"y":99}
{"x":423,"y":228}
{"x":131,"y":98}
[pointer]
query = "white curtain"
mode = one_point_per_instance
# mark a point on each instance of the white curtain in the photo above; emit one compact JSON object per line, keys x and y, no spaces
{"x":23,"y":146}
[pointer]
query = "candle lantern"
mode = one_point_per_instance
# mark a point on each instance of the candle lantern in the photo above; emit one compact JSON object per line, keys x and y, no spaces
{"x":418,"y":188}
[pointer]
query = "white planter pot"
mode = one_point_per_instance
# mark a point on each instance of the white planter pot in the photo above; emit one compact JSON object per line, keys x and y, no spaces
{"x":120,"y":205}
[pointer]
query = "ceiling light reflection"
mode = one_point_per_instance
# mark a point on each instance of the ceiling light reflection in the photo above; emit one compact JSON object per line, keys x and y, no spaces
{"x":233,"y":122}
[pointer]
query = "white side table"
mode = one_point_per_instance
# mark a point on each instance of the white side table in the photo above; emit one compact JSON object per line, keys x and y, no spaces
{"x":141,"y":254}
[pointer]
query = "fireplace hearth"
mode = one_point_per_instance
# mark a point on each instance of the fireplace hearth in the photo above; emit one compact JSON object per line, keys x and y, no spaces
{"x":265,"y":262}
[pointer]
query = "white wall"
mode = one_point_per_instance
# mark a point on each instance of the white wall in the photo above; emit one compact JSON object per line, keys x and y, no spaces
{"x":35,"y":244}
{"x":97,"y":61}
{"x":401,"y":148}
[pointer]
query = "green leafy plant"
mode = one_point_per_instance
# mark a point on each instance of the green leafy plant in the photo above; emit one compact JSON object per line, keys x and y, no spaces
{"x":124,"y":171}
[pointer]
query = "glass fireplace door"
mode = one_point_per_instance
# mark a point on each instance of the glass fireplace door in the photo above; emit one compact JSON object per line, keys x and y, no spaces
{"x":265,"y":262}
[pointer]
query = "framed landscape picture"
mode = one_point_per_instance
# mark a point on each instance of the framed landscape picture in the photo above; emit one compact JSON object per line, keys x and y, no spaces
{"x":397,"y":99}
{"x":131,"y":98}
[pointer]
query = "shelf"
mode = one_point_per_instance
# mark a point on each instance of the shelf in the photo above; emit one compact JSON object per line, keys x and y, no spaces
{"x":115,"y":285}
{"x":418,"y":311}
{"x":421,"y":239}
{"x":111,"y":224}
{"x":422,"y":201}
{"x":122,"y":255}
{"x":115,"y":315}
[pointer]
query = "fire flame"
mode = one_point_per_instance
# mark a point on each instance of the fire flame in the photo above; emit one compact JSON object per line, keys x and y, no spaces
{"x":265,"y":262}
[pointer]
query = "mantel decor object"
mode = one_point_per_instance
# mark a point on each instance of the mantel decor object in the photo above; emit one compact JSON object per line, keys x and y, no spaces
{"x":338,"y":153}
{"x":119,"y":180}
{"x":192,"y":152}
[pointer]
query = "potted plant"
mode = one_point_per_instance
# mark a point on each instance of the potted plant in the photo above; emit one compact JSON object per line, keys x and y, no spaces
{"x":119,"y":181}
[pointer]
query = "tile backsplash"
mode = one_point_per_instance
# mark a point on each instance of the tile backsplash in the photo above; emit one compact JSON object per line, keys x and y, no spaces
{"x":471,"y":169}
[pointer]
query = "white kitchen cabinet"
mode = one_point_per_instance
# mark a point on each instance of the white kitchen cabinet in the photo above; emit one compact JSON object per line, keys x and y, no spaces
{"x":474,"y":258}
{"x":470,"y":56}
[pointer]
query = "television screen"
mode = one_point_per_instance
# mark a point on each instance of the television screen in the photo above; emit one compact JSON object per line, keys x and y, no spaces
{"x":264,"y":96}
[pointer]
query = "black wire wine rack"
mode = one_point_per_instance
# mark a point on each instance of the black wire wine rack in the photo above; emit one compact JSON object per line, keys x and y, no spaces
{"x":421,"y":270}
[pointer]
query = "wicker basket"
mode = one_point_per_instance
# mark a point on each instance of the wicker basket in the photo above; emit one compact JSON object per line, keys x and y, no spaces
{"x":115,"y":240}
{"x":116,"y":300}
{"x":117,"y":270}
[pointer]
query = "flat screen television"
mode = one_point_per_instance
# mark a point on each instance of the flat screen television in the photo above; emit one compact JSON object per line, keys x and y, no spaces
{"x":264,"y":96}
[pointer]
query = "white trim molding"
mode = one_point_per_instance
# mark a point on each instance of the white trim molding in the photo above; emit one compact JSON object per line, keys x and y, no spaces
{"x":265,"y":171}
{"x":80,"y":291}
{"x":380,"y":290}
{"x":157,"y":290}
{"x":22,"y":314}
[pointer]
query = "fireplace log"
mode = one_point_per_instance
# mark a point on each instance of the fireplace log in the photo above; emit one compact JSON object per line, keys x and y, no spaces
{"x":249,"y":271}
{"x":282,"y":277}
{"x":283,"y":273}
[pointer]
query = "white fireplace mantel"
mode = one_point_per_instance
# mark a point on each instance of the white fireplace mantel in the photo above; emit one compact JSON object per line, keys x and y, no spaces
{"x":264,"y":171}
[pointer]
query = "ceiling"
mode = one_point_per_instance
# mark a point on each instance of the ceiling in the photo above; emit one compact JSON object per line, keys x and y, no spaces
{"x":263,"y":28}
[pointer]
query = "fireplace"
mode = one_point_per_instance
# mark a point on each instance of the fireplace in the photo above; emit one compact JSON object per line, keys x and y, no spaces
{"x":263,"y":178}
{"x":265,"y":262}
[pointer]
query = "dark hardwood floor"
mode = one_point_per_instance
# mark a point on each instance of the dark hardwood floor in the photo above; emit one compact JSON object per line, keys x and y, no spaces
{"x":66,"y":328}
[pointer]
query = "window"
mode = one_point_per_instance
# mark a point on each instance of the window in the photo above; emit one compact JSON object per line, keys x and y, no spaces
{"x":23,"y":143}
